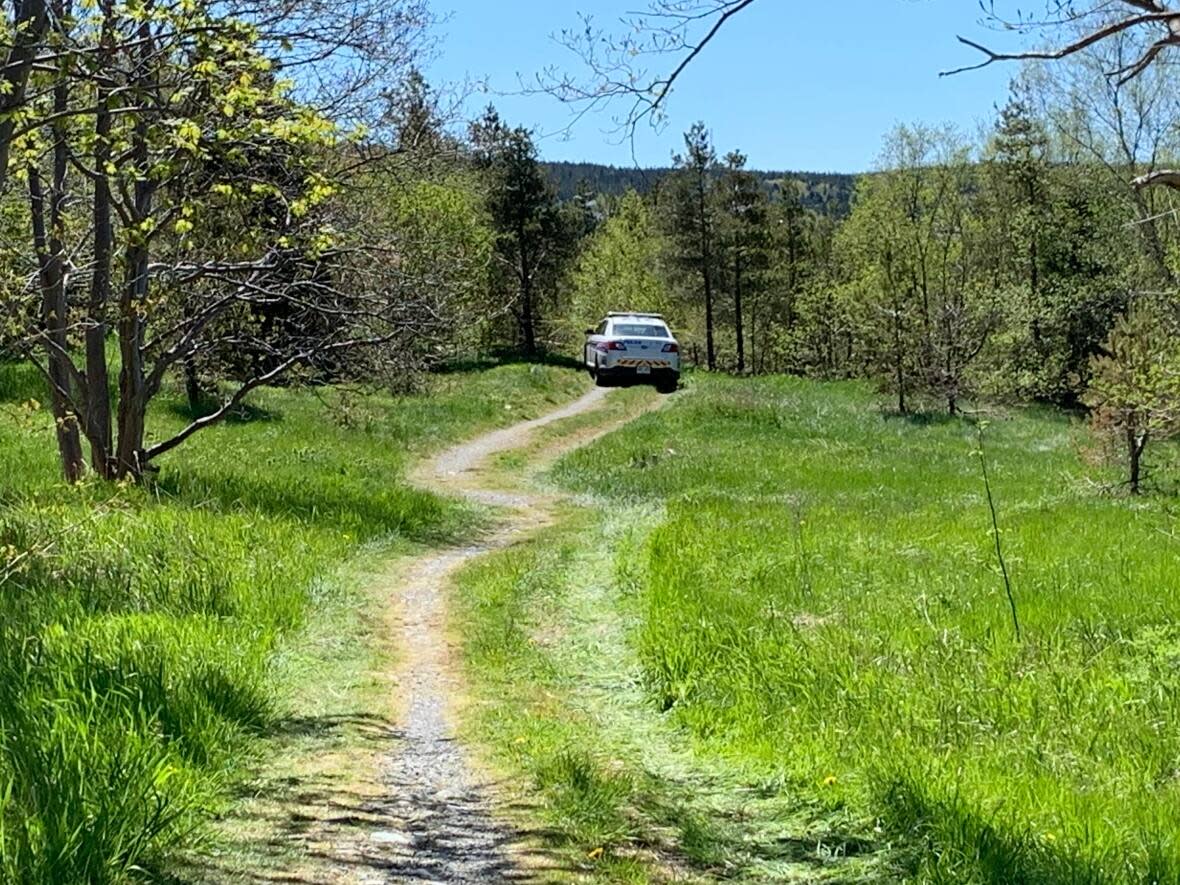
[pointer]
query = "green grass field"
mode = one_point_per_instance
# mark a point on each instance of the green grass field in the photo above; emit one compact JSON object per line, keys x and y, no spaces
{"x":138,"y":626}
{"x":808,"y":589}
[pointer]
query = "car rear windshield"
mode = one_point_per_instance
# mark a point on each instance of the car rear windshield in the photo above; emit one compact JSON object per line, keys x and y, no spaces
{"x":641,"y":330}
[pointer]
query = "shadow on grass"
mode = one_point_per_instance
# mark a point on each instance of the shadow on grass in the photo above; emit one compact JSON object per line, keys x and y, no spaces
{"x":927,"y":419}
{"x":794,"y":841}
{"x":495,"y":358}
{"x":243,"y":413}
{"x":365,"y":509}
{"x":979,"y":846}
{"x":331,"y":816}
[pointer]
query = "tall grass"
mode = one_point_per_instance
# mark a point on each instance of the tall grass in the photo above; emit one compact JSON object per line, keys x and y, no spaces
{"x":823,"y":602}
{"x":137,"y":624}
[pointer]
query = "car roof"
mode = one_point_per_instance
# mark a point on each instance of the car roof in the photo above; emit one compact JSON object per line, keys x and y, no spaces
{"x":635,"y":316}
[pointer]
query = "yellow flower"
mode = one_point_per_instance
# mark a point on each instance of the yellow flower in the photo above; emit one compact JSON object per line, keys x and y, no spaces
{"x":595,"y":854}
{"x":830,"y":780}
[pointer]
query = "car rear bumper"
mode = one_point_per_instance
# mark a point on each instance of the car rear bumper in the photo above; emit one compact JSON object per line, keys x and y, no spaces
{"x":632,"y":373}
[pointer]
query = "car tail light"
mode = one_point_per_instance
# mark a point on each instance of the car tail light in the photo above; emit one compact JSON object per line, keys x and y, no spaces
{"x":671,"y":348}
{"x":617,"y":345}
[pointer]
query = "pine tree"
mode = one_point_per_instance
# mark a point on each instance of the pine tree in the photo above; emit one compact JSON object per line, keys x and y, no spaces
{"x":744,"y":240}
{"x":531,"y":238}
{"x":693,"y":221}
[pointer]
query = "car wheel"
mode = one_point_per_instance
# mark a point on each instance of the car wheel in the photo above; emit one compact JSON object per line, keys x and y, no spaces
{"x":668,"y":386}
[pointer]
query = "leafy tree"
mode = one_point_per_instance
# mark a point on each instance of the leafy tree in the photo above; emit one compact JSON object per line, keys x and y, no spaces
{"x":1134,"y":395}
{"x":209,"y":185}
{"x":912,"y":249}
{"x":620,"y":268}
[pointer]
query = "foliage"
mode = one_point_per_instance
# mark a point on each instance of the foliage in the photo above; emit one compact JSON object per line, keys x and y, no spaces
{"x":916,"y":269}
{"x":1134,"y":393}
{"x":691,"y":220}
{"x":620,"y":268}
{"x":532,"y":236}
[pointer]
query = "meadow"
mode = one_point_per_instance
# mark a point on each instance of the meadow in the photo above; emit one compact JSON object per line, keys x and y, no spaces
{"x":809,"y":588}
{"x":139,"y":625}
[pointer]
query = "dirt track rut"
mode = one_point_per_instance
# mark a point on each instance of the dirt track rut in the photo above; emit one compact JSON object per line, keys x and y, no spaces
{"x":443,"y":828}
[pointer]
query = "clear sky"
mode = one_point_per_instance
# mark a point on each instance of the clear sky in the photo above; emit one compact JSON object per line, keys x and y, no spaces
{"x":793,"y":84}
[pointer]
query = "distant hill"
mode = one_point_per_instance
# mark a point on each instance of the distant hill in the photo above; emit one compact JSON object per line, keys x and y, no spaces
{"x":829,"y":193}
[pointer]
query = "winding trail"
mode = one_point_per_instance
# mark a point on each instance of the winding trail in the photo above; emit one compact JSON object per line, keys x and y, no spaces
{"x":441,"y":826}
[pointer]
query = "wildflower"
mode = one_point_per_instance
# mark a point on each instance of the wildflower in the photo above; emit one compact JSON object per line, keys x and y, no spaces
{"x":830,"y":780}
{"x":595,"y":854}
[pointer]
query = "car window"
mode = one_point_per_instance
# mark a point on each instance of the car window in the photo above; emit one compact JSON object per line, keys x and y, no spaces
{"x":641,"y":330}
{"x":601,"y":328}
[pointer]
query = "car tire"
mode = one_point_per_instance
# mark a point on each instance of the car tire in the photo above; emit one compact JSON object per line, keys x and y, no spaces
{"x":667,"y":386}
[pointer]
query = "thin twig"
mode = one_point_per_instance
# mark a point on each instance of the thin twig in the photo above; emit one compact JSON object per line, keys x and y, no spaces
{"x":996,"y":534}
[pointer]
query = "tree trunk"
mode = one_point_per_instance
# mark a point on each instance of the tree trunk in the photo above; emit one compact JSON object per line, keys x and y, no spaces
{"x":98,"y":398}
{"x":1136,"y":442}
{"x":55,"y":314}
{"x":55,"y":321}
{"x":706,"y":271}
{"x":133,"y":398}
{"x":133,"y":390}
{"x":528,"y":329}
{"x":192,"y":387}
{"x":898,"y":358}
{"x":737,"y":313}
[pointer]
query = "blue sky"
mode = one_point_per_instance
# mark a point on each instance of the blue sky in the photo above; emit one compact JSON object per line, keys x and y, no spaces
{"x":794,"y":85}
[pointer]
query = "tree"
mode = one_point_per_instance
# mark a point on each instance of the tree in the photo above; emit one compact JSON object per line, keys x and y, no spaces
{"x":621,"y":267}
{"x":1135,"y":392}
{"x":530,"y":240}
{"x":680,"y":29}
{"x":209,"y":185}
{"x":1061,"y":251}
{"x":692,"y":217}
{"x":744,"y":239}
{"x":912,"y":250}
{"x":1020,"y":191}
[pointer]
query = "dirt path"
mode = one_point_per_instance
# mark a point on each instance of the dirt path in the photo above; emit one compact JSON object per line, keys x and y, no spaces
{"x":440,"y":826}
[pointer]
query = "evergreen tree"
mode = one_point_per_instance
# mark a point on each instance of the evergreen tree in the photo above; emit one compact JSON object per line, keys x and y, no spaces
{"x":744,"y":240}
{"x":531,"y":237}
{"x":692,"y":218}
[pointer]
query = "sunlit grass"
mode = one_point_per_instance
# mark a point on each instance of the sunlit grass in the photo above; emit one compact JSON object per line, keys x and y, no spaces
{"x":138,"y":624}
{"x":822,"y":602}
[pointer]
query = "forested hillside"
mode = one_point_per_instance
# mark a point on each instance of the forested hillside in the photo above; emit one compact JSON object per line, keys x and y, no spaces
{"x":829,"y":193}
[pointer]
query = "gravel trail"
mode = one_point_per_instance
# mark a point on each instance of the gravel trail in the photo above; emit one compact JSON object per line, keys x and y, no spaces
{"x":441,"y":827}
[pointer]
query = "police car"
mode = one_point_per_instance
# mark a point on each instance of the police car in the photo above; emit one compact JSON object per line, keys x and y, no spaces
{"x":633,"y":347}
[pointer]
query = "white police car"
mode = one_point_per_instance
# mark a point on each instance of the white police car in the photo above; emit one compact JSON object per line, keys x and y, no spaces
{"x":633,"y":347}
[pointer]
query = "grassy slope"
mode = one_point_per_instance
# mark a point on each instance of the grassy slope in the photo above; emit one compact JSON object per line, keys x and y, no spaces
{"x":819,"y":606}
{"x":139,"y":626}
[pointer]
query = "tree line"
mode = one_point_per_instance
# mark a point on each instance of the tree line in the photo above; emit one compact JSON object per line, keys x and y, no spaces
{"x":1022,"y":264}
{"x":186,"y":203}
